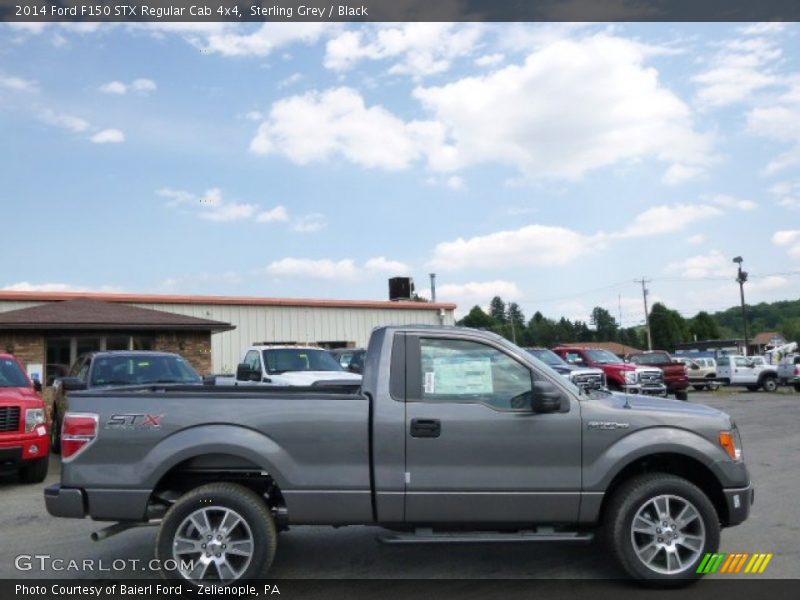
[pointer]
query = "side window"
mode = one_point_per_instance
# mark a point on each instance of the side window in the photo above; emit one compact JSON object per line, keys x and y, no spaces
{"x":574,"y":358}
{"x":741,"y":361}
{"x":252,"y":360}
{"x":464,"y":371}
{"x":83,"y":371}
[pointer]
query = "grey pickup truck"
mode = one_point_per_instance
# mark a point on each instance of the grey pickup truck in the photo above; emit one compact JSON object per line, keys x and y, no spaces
{"x":454,"y":435}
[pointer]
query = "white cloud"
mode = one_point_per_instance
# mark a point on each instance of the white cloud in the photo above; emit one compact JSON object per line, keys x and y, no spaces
{"x":766,"y":284}
{"x":17,"y":84}
{"x":310,"y":223}
{"x":454,"y":182}
{"x":789,"y":239}
{"x":740,"y":68}
{"x":279,"y":213}
{"x":540,"y":125}
{"x":420,"y":49}
{"x":108,"y":136}
{"x":712,"y":264}
{"x":254,"y":115}
{"x":788,"y":194}
{"x":199,"y":280}
{"x":141,"y":86}
{"x":177,"y":197}
{"x":382,"y":265}
{"x":289,"y":81}
{"x":780,"y":121}
{"x":667,"y":219}
{"x":726,"y":201}
{"x":113,"y":87}
{"x":64,"y":121}
{"x":314,"y":269}
{"x":490,"y":60}
{"x":763,"y":28}
{"x":316,"y":126}
{"x":228,"y":41}
{"x":696,"y":239}
{"x":467,"y":295}
{"x":25,"y":286}
{"x":229,"y":211}
{"x":539,"y":245}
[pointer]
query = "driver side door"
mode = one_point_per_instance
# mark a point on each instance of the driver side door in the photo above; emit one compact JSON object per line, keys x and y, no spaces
{"x":475,"y":451}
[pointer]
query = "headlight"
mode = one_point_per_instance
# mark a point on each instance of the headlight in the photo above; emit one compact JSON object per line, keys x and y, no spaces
{"x":731,"y":441}
{"x":630,"y":376}
{"x":33,"y":417}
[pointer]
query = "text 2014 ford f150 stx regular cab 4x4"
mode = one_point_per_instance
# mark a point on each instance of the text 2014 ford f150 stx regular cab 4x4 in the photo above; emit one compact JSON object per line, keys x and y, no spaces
{"x":454,"y":435}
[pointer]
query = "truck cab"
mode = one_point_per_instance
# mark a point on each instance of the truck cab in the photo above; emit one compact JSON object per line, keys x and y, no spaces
{"x":742,"y":370}
{"x":24,"y":439}
{"x":280,"y":365}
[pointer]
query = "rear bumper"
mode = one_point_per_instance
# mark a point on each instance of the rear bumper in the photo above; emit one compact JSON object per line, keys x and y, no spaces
{"x":65,"y":502}
{"x":739,"y":501}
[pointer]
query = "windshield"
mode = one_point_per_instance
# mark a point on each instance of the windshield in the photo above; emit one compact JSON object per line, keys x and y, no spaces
{"x":548,"y":357}
{"x":649,"y":359}
{"x":280,"y":360}
{"x":604,"y":357}
{"x":143,"y":369}
{"x":11,"y":375}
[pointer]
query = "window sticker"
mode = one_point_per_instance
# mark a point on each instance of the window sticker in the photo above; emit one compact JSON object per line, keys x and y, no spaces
{"x":430,"y":382}
{"x":462,"y":375}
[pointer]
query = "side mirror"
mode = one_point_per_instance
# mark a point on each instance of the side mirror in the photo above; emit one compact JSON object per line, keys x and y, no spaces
{"x":37,"y":385}
{"x":245,"y":373}
{"x":72,"y":384}
{"x":695,"y":367}
{"x":546,"y":397}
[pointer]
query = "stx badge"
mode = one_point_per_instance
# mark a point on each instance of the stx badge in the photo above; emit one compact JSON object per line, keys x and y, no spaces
{"x":133,"y":421}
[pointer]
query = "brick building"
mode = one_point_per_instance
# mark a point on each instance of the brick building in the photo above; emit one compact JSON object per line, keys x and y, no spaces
{"x":53,"y":335}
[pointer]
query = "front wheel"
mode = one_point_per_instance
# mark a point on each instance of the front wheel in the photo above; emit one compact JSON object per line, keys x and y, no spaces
{"x":660,"y":527}
{"x":682,"y":395}
{"x":218,"y":533}
{"x":34,"y":471}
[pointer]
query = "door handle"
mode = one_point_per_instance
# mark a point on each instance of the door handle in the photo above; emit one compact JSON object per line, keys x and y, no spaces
{"x":426,"y":428}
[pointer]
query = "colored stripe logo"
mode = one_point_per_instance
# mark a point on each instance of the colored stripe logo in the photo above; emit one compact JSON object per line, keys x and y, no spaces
{"x":735,"y":562}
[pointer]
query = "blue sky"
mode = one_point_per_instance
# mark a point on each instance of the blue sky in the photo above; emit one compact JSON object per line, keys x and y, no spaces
{"x":550,"y":164}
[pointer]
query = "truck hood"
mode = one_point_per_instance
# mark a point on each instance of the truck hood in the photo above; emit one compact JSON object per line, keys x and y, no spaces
{"x":309,"y":377}
{"x":20,"y":397}
{"x":635,"y":403}
{"x":616,"y":366}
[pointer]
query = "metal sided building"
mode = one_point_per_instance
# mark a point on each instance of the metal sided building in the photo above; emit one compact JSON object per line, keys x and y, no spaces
{"x":232,"y":323}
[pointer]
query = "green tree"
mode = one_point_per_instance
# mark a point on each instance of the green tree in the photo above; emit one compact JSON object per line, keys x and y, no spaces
{"x":497,"y":310}
{"x":668,"y":328}
{"x":604,"y":324}
{"x":478,"y":319}
{"x":516,"y":323}
{"x":704,"y":327}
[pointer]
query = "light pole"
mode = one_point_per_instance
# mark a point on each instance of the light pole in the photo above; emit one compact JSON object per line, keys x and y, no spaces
{"x":741,"y":277}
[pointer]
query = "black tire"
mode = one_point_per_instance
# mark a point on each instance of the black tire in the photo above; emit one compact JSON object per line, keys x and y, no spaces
{"x":699,"y":388}
{"x":34,"y":471}
{"x":249,"y":506}
{"x":769,"y":384}
{"x":752,"y":388}
{"x":632,"y":496}
{"x":55,"y":434}
{"x":684,"y":395}
{"x":797,"y":387}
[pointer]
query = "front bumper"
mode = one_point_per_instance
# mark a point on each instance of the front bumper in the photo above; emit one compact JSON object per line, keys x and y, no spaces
{"x":739,"y":501}
{"x":652,"y":389}
{"x":18,"y":448}
{"x":65,"y":502}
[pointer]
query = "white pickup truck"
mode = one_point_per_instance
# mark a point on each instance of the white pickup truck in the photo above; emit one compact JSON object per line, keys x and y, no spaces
{"x":789,"y":371}
{"x":288,"y":365}
{"x":743,"y":370}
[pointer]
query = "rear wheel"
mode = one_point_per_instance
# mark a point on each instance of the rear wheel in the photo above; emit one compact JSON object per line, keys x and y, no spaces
{"x":55,"y":434}
{"x":218,"y":533}
{"x":34,"y":471}
{"x":684,"y":395}
{"x":770,"y":384}
{"x":660,"y":527}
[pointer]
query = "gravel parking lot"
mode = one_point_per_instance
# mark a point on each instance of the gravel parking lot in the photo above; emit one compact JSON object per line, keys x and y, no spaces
{"x":769,"y":424}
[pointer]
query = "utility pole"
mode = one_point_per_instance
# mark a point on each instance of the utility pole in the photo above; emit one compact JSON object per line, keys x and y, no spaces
{"x":433,"y":287}
{"x":741,"y":277}
{"x":645,"y":291}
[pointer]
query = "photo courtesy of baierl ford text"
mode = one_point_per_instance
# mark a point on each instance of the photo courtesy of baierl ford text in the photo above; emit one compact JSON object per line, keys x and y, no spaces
{"x":398,"y":299}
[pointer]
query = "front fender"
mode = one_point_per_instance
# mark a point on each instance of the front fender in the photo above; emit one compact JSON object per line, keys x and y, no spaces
{"x":600,"y":470}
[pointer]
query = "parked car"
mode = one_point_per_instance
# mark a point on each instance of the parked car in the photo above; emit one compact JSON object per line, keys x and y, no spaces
{"x":702,"y":372}
{"x":585,"y":378}
{"x":789,"y":371}
{"x":288,"y":365}
{"x":741,"y":370}
{"x":351,"y":359}
{"x":117,"y":368}
{"x":24,"y":439}
{"x":620,"y":375}
{"x":455,"y":435}
{"x":675,"y":377}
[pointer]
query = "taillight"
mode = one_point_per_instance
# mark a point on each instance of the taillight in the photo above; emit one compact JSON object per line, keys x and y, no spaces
{"x":78,"y":431}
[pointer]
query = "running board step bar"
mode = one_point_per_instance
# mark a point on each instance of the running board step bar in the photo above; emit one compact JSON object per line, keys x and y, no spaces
{"x":428,"y":536}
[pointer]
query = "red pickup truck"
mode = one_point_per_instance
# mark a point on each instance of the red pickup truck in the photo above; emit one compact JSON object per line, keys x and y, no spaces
{"x":620,"y":376}
{"x":675,"y":376}
{"x":24,"y":439}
